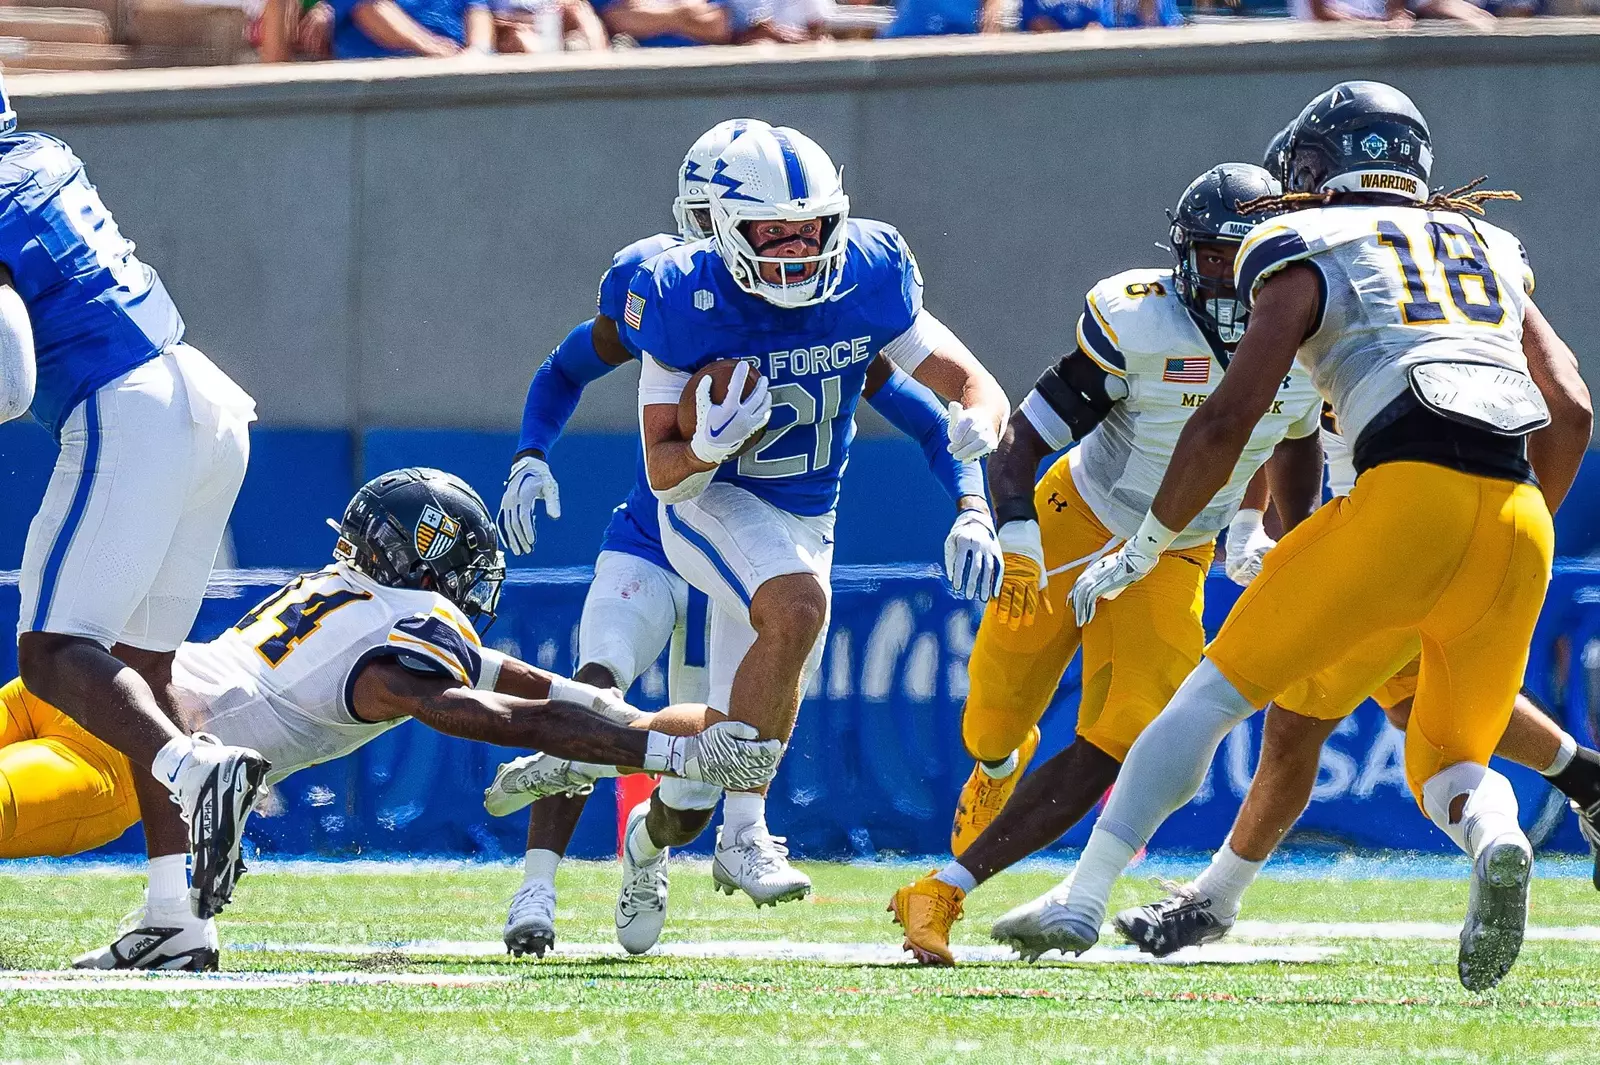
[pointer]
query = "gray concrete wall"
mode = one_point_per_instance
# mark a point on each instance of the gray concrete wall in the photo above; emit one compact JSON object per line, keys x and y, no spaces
{"x":400,"y":243}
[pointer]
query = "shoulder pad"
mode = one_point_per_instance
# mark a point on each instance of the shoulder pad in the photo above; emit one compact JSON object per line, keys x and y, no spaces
{"x":1289,"y":238}
{"x":630,"y":257}
{"x":1128,"y":315}
{"x":441,"y":637}
{"x":1505,"y":250}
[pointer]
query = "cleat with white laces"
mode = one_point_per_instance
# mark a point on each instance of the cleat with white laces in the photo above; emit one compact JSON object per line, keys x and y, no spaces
{"x":145,"y":941}
{"x":1045,"y":924}
{"x":1497,"y":912}
{"x":1589,"y":827}
{"x":757,"y":863}
{"x":215,"y":790}
{"x":531,"y":924}
{"x":522,"y":781}
{"x":642,"y":905}
{"x":1185,"y":918}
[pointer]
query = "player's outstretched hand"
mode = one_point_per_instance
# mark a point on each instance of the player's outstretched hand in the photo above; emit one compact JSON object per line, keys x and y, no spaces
{"x":972,"y":433}
{"x":727,"y":754}
{"x":720,"y":429}
{"x":972,"y":562}
{"x":1108,"y":578}
{"x":1022,"y":588}
{"x":1248,"y":544}
{"x":530,"y":481}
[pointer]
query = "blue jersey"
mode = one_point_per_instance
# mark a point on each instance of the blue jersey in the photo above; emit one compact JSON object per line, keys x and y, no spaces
{"x":1068,"y":14}
{"x":635,"y":527}
{"x":686,"y":311}
{"x":97,"y":311}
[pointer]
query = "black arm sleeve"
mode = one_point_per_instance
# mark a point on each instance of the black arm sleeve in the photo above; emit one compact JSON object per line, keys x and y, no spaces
{"x":1076,"y":390}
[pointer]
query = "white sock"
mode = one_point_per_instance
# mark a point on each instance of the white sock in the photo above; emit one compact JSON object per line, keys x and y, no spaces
{"x":740,"y":810}
{"x":539,"y":864}
{"x":1488,"y":814}
{"x":170,"y":760}
{"x":1000,"y":770}
{"x":956,"y":875}
{"x":1227,"y":878}
{"x":1102,"y":862}
{"x":167,"y":889}
{"x":1564,"y":755}
{"x":640,"y":843}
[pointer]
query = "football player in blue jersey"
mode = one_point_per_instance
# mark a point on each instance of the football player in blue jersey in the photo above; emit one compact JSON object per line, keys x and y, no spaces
{"x":637,"y":603}
{"x":810,"y":297}
{"x":154,"y":441}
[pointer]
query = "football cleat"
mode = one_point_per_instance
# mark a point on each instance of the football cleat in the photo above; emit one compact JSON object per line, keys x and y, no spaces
{"x":1184,"y":918}
{"x":526,"y":780}
{"x":145,"y":941}
{"x":215,"y":790}
{"x":642,"y":904}
{"x":1045,"y":924}
{"x":983,"y":797}
{"x":1497,"y":912}
{"x":926,"y":909}
{"x":757,"y":863}
{"x":1589,"y":826}
{"x":531,"y":924}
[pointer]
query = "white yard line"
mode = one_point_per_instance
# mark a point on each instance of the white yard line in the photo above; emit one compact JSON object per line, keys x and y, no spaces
{"x":73,"y":980}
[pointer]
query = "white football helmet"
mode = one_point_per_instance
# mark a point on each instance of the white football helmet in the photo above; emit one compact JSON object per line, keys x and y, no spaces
{"x":779,"y":173}
{"x":8,"y":117}
{"x":692,"y":208}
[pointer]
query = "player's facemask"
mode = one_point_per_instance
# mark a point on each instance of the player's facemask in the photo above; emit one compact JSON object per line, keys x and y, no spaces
{"x":1211,"y":299}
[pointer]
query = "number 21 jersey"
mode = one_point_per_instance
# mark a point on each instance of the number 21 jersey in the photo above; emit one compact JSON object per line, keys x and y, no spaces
{"x":97,"y":311}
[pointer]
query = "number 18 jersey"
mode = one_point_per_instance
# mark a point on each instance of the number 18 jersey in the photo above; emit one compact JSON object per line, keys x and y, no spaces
{"x":1402,"y":286}
{"x":97,"y":311}
{"x":281,"y":681}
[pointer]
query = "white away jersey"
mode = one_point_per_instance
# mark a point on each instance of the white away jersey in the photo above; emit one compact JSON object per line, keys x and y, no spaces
{"x":1135,"y":326}
{"x":1402,"y":286}
{"x":280,"y":680}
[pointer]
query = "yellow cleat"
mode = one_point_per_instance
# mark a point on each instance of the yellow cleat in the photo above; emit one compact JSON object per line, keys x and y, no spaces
{"x":983,"y":797}
{"x":926,"y":910}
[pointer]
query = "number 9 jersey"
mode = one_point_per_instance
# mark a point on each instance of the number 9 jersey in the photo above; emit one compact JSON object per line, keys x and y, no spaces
{"x":281,"y":680}
{"x":1401,"y":287}
{"x":97,"y":311}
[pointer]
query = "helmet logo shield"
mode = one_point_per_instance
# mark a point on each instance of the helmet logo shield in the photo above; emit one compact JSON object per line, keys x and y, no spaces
{"x":1375,"y":146}
{"x":436,"y":533}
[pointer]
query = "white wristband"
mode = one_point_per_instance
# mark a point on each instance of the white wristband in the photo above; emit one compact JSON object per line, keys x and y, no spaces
{"x":489,"y":668}
{"x":563,"y":690}
{"x":659,"y":751}
{"x":1152,"y":537}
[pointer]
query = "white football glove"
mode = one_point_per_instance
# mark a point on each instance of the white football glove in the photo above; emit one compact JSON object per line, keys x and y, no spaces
{"x":1248,"y":544}
{"x":1110,"y":576}
{"x":721,"y":429}
{"x":726,"y":754}
{"x":530,"y":481}
{"x":972,"y":433}
{"x":972,"y":561}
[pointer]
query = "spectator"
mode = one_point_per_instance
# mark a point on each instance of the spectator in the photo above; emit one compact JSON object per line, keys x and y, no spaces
{"x":548,"y":26}
{"x":293,"y":29}
{"x":677,"y":23}
{"x":374,"y":29}
{"x":1395,"y":12}
{"x":935,"y":18}
{"x":1137,"y":14}
{"x":785,"y":20}
{"x":1052,"y":16}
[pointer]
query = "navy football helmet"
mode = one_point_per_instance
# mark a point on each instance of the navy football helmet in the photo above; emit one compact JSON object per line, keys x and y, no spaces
{"x":1208,"y":214}
{"x":426,"y":529}
{"x":1360,"y":136}
{"x":1274,"y":161}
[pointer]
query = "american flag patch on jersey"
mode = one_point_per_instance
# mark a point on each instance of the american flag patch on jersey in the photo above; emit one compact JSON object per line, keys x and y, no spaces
{"x":1188,"y":371}
{"x":633,"y":312}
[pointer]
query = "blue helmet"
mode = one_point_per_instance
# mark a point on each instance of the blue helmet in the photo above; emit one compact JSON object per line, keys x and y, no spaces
{"x":1362,"y":137}
{"x":1273,"y":161}
{"x":8,"y":117}
{"x":1208,"y":214}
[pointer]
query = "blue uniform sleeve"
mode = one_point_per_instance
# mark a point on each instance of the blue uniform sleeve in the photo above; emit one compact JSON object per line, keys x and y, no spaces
{"x":910,"y":278}
{"x":557,"y":386}
{"x":643,"y":321}
{"x":912,"y":408}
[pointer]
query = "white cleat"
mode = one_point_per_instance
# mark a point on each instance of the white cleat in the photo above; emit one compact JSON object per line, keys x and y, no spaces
{"x":642,"y":905}
{"x":757,"y":863}
{"x":182,"y":943}
{"x":1497,"y":912}
{"x":526,"y":780}
{"x":1045,"y":924}
{"x":531,"y":924}
{"x":215,"y":790}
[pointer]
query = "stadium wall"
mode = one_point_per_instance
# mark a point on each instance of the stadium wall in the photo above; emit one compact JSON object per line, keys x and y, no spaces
{"x":399,"y":243}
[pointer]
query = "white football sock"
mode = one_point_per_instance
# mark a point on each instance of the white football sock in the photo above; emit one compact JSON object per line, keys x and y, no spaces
{"x":740,"y":810}
{"x":1000,"y":770}
{"x":1103,"y":860}
{"x":170,"y":760}
{"x":1564,"y":755}
{"x":540,"y":864}
{"x":1489,"y":812}
{"x":167,"y":890}
{"x":640,"y":843}
{"x":956,"y":875}
{"x":1227,"y":878}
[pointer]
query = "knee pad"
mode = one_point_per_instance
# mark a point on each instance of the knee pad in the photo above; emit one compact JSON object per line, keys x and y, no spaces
{"x":990,"y":734}
{"x":683,"y":794}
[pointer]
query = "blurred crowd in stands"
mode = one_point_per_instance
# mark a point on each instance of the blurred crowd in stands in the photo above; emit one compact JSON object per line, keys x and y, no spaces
{"x":109,"y":34}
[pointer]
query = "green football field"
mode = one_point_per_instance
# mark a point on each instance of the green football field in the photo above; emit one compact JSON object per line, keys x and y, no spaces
{"x":399,"y":964}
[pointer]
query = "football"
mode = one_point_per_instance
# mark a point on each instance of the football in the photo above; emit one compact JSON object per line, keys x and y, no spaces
{"x":720,"y":373}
